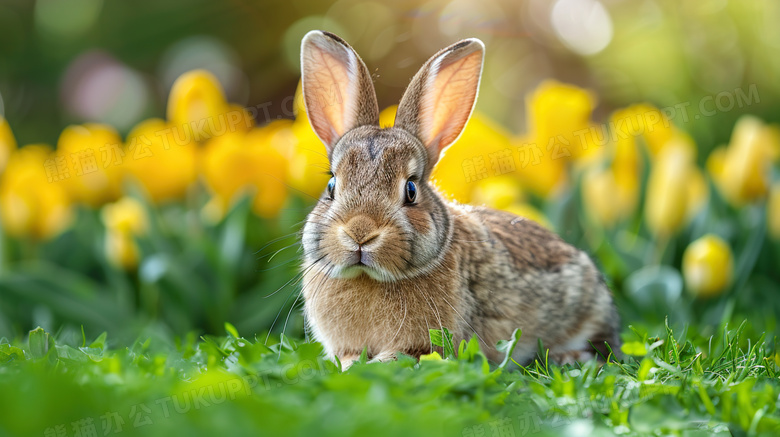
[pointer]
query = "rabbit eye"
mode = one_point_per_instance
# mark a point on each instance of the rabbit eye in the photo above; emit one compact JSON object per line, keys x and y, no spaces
{"x":331,"y":187}
{"x":411,"y":192}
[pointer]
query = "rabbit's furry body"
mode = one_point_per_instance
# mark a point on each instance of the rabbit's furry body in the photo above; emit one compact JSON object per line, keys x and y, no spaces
{"x":386,"y":258}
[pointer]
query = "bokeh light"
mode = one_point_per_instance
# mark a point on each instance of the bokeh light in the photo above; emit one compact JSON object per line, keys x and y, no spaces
{"x":96,"y":87}
{"x":582,"y":25}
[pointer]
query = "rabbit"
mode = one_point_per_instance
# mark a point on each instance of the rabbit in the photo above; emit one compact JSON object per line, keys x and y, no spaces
{"x":386,"y":258}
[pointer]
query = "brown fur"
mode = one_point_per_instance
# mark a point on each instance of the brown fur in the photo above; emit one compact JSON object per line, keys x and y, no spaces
{"x":431,"y":264}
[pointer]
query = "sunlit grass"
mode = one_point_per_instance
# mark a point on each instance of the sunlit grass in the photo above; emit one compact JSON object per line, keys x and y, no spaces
{"x":228,"y":385}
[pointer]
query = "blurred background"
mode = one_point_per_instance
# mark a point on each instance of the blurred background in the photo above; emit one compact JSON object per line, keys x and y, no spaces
{"x":156,"y":164}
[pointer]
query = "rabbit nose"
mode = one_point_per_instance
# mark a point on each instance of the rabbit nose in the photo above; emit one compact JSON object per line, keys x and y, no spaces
{"x":361,"y":230}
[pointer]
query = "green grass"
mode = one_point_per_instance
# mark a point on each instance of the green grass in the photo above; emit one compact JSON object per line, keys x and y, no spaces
{"x":723,"y":385}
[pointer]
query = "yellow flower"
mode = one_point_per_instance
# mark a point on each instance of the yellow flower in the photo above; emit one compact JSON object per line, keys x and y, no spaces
{"x":309,"y":160}
{"x":666,"y":205}
{"x":611,"y":192}
{"x":305,"y":154}
{"x":238,"y":118}
{"x":773,"y":211}
{"x":497,"y":192}
{"x":124,"y":220}
{"x":90,"y":160}
{"x":121,"y":249}
{"x":7,"y":143}
{"x":242,"y":162}
{"x":387,"y":116}
{"x":559,"y":130}
{"x":707,"y":266}
{"x":126,"y":215}
{"x":627,"y":170}
{"x":538,"y":169}
{"x":601,"y":195}
{"x":561,"y":113}
{"x":716,"y":161}
{"x":505,"y":193}
{"x":160,"y":161}
{"x":198,"y":110}
{"x":471,"y":159}
{"x":646,"y":121}
{"x":741,"y":171}
{"x":299,"y":103}
{"x":30,"y":204}
{"x":307,"y":157}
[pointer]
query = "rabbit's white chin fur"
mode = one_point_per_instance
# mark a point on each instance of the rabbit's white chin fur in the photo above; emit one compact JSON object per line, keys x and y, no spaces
{"x":353,"y":271}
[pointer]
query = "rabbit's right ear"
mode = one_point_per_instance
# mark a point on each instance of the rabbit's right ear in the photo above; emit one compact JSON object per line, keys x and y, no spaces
{"x":438,"y":102}
{"x":337,"y":88}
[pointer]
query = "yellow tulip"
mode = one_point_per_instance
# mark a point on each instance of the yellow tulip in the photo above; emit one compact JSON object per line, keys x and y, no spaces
{"x":239,"y":118}
{"x":741,"y":171}
{"x":773,"y":211}
{"x":7,"y":143}
{"x":497,"y":192}
{"x":559,"y":130}
{"x":707,"y":266}
{"x":484,"y":150}
{"x":121,"y":249}
{"x":611,"y":193}
{"x":716,"y":161}
{"x":561,"y":113}
{"x":198,"y":110}
{"x":387,"y":116}
{"x":124,"y":220}
{"x":158,"y":159}
{"x":307,"y":157}
{"x":538,"y":169}
{"x":299,"y":104}
{"x":30,"y":203}
{"x":599,"y":194}
{"x":245,"y":162}
{"x":666,"y":205}
{"x":126,"y":215}
{"x":627,"y":170}
{"x":646,"y":121}
{"x":91,"y":158}
{"x":309,"y":161}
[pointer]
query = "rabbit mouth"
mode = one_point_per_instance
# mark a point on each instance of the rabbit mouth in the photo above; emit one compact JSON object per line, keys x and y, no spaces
{"x":359,"y":268}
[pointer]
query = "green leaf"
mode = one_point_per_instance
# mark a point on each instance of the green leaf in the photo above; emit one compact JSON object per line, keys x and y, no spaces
{"x":635,"y":348}
{"x":435,"y":335}
{"x":443,"y":339}
{"x":231,"y":330}
{"x":10,"y":353}
{"x":508,"y":347}
{"x":100,"y":342}
{"x":71,"y":355}
{"x":94,"y":354}
{"x":467,"y":351}
{"x":40,"y":343}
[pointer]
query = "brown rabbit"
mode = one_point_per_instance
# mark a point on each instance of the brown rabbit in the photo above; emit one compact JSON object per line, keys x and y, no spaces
{"x":386,"y":258}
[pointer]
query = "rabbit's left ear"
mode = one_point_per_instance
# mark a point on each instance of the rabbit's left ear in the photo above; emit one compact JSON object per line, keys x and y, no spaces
{"x":337,"y":88}
{"x":438,"y":102}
